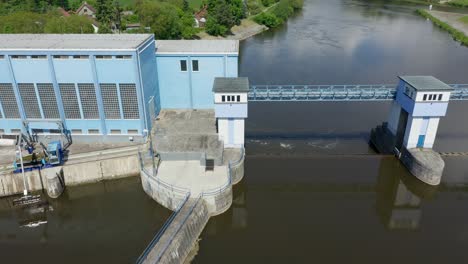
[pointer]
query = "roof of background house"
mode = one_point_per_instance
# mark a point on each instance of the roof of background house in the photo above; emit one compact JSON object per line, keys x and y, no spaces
{"x":201,"y":13}
{"x":426,"y":83}
{"x":72,"y":41}
{"x":197,"y":46}
{"x":63,"y":12}
{"x":90,"y":7}
{"x":228,"y":85}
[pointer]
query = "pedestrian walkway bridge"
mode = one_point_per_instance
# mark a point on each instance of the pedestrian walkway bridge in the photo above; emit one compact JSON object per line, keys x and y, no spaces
{"x":336,"y":92}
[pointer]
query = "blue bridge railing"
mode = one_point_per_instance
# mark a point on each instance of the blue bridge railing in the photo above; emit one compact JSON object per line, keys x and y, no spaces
{"x":336,"y":92}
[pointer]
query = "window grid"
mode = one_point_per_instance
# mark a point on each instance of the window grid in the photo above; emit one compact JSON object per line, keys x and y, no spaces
{"x":48,"y":100}
{"x":88,"y":100}
{"x":29,"y":99}
{"x":129,"y":98}
{"x":195,"y":65}
{"x":183,"y":65}
{"x":8,"y":100}
{"x":110,"y":100}
{"x":70,"y":101}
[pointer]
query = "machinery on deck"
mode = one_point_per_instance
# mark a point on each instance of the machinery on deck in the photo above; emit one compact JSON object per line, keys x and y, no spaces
{"x":38,"y":156}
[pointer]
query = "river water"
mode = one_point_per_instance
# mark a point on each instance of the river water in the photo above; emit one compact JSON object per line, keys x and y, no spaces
{"x":314,"y":191}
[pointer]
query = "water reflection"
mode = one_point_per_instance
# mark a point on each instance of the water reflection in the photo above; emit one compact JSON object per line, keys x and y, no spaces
{"x":399,"y":196}
{"x":236,"y":218}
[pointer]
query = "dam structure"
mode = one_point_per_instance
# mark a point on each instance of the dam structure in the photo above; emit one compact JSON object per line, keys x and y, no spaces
{"x":172,"y":112}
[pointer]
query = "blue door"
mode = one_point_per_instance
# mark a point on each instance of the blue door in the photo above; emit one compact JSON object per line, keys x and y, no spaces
{"x":421,"y":141}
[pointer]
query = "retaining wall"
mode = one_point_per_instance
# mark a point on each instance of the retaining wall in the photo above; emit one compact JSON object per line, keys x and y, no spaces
{"x":181,"y":235}
{"x":74,"y":174}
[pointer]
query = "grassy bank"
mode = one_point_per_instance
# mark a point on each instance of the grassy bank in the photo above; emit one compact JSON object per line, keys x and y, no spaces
{"x":459,"y":3}
{"x":278,"y":12}
{"x":456,"y":34}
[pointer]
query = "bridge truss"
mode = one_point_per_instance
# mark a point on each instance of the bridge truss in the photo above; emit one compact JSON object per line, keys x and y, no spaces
{"x":271,"y":93}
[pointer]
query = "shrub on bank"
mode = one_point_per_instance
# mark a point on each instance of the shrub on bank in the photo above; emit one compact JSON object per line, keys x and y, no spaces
{"x":267,"y":19}
{"x":456,"y":34}
{"x":279,"y":13}
{"x":459,"y":3}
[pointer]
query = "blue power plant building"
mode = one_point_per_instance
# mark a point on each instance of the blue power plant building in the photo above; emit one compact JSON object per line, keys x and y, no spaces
{"x":105,"y":87}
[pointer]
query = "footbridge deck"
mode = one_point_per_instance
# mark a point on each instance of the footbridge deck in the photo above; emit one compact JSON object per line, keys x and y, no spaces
{"x":384,"y":92}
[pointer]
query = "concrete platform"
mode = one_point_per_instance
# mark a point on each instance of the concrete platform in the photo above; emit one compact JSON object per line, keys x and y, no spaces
{"x":192,"y":176}
{"x":425,"y":164}
{"x":187,"y":131}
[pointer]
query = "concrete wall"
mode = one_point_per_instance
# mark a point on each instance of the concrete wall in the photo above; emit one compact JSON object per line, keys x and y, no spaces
{"x":394,"y":117}
{"x":74,"y":174}
{"x":181,"y":235}
{"x":431,"y":132}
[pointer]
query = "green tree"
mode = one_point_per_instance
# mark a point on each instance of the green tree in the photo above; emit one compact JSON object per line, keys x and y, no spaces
{"x":104,"y":11}
{"x":23,"y":22}
{"x":72,"y":24}
{"x":214,"y":28}
{"x":163,"y":18}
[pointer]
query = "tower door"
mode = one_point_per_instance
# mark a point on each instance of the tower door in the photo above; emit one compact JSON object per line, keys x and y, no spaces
{"x":400,"y":135}
{"x":231,"y":131}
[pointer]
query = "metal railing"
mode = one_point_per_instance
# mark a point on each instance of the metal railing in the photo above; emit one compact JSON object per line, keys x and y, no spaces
{"x":158,"y":235}
{"x":381,"y":92}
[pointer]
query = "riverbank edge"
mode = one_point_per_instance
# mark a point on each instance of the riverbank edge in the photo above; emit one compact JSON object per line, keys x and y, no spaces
{"x":456,"y":34}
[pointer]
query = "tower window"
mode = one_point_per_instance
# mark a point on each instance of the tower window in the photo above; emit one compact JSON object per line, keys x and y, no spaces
{"x":223,"y":98}
{"x":183,"y":65}
{"x":229,"y":98}
{"x":195,"y":65}
{"x":238,"y":98}
{"x":425,"y":97}
{"x":440,"y":97}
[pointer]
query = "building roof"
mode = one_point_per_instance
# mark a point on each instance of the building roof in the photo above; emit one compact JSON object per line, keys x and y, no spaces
{"x":426,"y":83}
{"x":63,"y":12}
{"x":231,"y":85}
{"x":84,"y":4}
{"x":72,"y":41}
{"x":197,"y":47}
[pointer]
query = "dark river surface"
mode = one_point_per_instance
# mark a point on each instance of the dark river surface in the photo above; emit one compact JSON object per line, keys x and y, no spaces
{"x":314,"y":191}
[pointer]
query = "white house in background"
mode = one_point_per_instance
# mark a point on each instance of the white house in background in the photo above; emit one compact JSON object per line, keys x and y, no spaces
{"x":86,"y":10}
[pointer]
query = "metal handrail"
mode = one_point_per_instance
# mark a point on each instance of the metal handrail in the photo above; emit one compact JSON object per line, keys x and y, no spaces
{"x":336,"y":92}
{"x":161,"y":231}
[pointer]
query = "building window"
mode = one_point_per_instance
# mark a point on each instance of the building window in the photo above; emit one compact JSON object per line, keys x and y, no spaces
{"x":39,"y":57}
{"x":129,"y":98}
{"x":132,"y":131}
{"x":195,"y":65}
{"x":88,"y":100}
{"x":93,"y":131}
{"x":63,"y":57}
{"x":19,"y":57}
{"x":115,"y":132}
{"x":76,"y":131}
{"x":123,"y":57}
{"x":48,"y":100}
{"x":70,"y":101}
{"x":228,"y":98}
{"x":29,"y":98}
{"x":80,"y":57}
{"x":223,"y":98}
{"x":8,"y":100}
{"x":424,"y":97}
{"x":103,"y":57}
{"x":2,"y":131}
{"x":2,"y":57}
{"x":110,"y":99}
{"x":183,"y":65}
{"x":440,"y":97}
{"x":16,"y":131}
{"x":238,"y":98}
